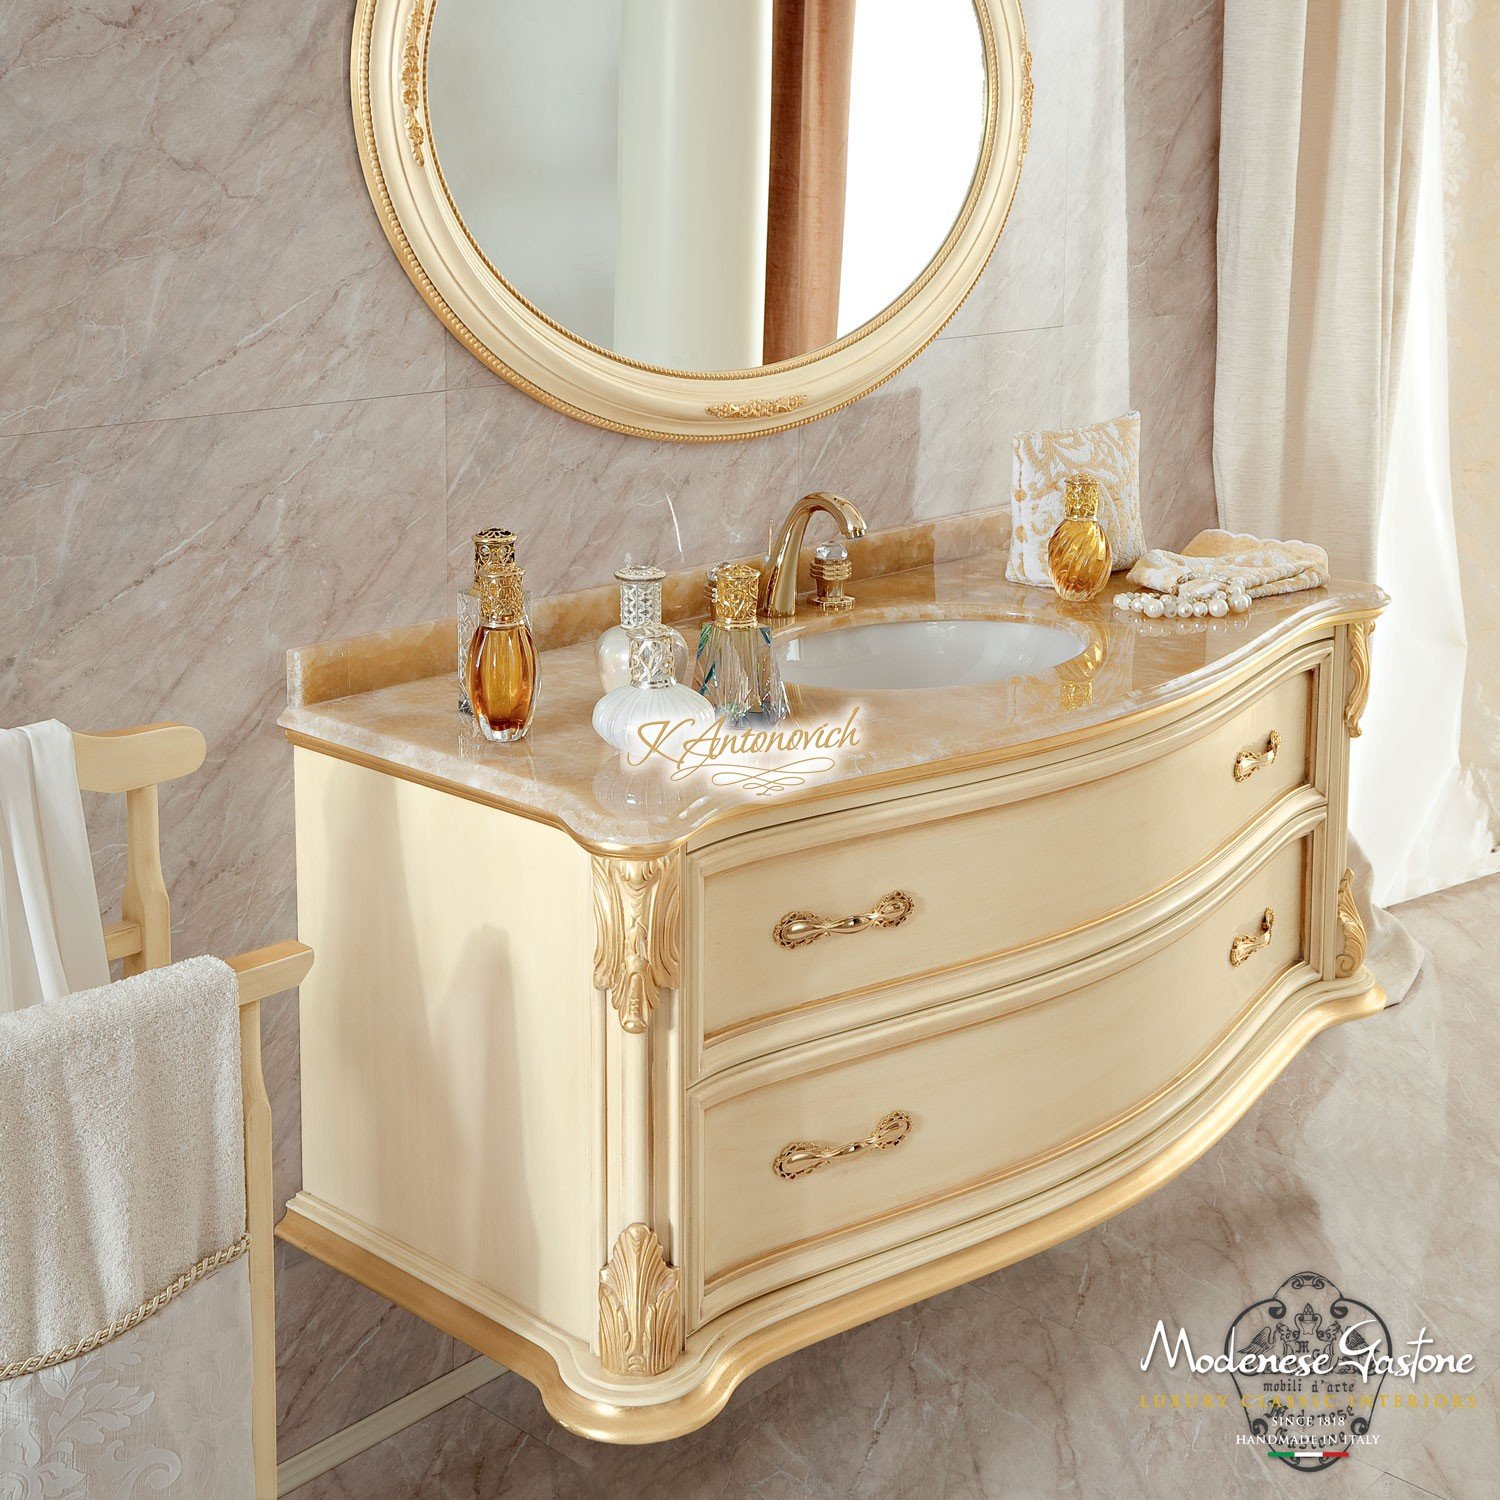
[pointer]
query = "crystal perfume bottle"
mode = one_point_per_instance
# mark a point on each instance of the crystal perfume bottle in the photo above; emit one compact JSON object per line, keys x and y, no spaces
{"x":501,"y":664}
{"x":493,"y":548}
{"x":640,"y":610}
{"x":736,"y":668}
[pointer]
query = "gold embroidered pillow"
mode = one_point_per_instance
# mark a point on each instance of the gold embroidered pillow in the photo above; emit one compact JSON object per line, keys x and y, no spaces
{"x":1111,"y":452}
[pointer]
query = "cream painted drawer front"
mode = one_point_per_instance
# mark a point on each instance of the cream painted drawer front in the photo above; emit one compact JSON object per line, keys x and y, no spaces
{"x":992,"y":1088}
{"x":982,"y":879}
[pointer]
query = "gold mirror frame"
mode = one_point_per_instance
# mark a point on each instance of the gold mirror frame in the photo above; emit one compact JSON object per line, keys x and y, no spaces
{"x":388,"y":81}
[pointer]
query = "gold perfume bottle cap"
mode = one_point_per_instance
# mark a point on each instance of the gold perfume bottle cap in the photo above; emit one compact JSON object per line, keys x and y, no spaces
{"x":736,"y":591}
{"x":502,"y":594}
{"x":493,"y":548}
{"x":1081,"y":497}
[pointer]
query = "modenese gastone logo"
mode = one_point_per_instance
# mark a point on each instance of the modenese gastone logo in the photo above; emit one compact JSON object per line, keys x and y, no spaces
{"x":1308,"y":1364}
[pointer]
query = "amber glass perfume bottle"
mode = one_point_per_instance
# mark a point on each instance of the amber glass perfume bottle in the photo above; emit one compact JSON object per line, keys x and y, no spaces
{"x":501,"y":666}
{"x":1078,"y":555}
{"x":493,"y":548}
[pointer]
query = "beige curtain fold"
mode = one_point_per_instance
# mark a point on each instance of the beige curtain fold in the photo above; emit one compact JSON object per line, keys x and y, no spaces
{"x":1469,"y":56}
{"x":812,"y":59}
{"x":1319,"y":163}
{"x":1319,"y":153}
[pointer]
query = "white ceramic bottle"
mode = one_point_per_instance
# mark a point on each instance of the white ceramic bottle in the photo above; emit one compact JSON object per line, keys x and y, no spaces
{"x":653,"y":696}
{"x":640,"y":609}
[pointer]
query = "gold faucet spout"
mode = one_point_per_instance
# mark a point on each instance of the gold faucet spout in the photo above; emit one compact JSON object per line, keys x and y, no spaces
{"x":779,"y":584}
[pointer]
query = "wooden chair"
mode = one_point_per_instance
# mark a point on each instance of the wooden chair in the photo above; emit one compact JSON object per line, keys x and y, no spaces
{"x":135,"y":762}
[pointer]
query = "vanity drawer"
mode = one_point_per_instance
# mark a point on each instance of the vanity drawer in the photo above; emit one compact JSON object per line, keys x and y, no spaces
{"x":939,"y":880}
{"x":938,"y":1117}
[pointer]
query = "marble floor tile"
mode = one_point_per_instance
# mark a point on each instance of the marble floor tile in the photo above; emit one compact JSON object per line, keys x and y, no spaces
{"x":460,"y":1453}
{"x":1028,"y":1383}
{"x":343,"y":1351}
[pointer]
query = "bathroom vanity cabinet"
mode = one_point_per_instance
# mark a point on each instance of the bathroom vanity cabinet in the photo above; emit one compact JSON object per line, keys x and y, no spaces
{"x":639,"y":1094}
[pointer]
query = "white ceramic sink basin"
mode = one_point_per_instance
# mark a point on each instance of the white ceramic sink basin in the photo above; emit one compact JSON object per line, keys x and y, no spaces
{"x":925,"y":653}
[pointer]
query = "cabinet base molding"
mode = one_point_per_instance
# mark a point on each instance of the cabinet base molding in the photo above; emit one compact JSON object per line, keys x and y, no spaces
{"x":584,"y":1396}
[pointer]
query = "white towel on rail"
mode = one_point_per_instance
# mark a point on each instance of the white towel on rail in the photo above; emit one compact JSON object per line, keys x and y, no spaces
{"x":122,"y":1238}
{"x":51,"y":940}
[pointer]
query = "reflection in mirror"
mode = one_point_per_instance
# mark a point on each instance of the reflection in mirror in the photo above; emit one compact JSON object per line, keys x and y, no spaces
{"x":708,"y":184}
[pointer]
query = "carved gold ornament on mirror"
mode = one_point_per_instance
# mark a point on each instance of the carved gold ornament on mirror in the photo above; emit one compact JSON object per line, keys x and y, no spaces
{"x":516,"y":339}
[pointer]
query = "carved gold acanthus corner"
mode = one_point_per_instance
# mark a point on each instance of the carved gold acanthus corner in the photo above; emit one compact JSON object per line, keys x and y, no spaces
{"x":1359,"y":675}
{"x":637,"y":922}
{"x":1355,"y":941}
{"x":640,"y":1306}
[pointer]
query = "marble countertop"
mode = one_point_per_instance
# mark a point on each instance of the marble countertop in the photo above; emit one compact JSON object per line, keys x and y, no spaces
{"x":563,"y":774}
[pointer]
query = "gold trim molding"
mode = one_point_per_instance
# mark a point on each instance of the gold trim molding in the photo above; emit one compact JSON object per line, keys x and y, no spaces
{"x":413,"y":77}
{"x":1358,"y":694}
{"x":516,"y":339}
{"x":775,"y":406}
{"x":1355,"y":941}
{"x":640,"y":1306}
{"x":1028,"y":102}
{"x":637,"y":934}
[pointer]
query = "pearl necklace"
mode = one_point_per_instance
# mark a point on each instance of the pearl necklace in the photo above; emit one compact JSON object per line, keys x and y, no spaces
{"x":1224,"y":599}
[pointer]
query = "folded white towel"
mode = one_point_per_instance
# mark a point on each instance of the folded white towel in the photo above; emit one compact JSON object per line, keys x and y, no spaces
{"x":121,"y":1149}
{"x":51,"y":941}
{"x":1259,"y":567}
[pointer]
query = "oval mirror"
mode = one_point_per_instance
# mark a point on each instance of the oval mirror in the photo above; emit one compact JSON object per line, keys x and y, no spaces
{"x":693,"y":219}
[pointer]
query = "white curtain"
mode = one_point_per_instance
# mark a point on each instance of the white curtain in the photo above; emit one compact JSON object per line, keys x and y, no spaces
{"x":1318,"y":162}
{"x":1320,"y":150}
{"x":1414,"y":808}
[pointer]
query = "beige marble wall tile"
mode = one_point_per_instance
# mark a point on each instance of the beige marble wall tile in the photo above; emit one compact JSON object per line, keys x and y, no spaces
{"x":580,"y":498}
{"x":186,"y":230}
{"x":1172,"y":55}
{"x":937,"y":439}
{"x":160,"y":570}
{"x":1023,"y":284}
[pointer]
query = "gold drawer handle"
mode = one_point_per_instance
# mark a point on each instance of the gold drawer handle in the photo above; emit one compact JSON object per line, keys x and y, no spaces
{"x":798,"y":928}
{"x":802,"y":1157}
{"x":1248,"y":762}
{"x":1246,"y":946}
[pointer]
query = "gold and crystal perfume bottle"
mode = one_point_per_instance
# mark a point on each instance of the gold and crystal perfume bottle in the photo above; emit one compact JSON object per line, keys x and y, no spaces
{"x":501,"y":665}
{"x":1078,"y":554}
{"x":640,"y":611}
{"x":493,"y":548}
{"x":736,"y":668}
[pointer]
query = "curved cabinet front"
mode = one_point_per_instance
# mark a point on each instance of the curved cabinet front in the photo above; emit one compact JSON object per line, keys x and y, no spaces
{"x":1029,"y":1084}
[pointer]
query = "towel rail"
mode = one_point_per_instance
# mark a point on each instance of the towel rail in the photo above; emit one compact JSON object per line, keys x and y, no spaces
{"x":135,"y":761}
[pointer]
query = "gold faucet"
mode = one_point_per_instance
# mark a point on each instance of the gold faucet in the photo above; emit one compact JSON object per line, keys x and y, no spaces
{"x":779,"y":581}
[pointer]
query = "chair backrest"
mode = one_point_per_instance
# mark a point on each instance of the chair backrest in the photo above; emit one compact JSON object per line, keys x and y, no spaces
{"x":135,"y":762}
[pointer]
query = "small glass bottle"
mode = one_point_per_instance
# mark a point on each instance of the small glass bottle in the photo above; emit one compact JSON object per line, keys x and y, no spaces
{"x":493,"y":548}
{"x":501,"y":664}
{"x":640,"y":610}
{"x":736,"y":668}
